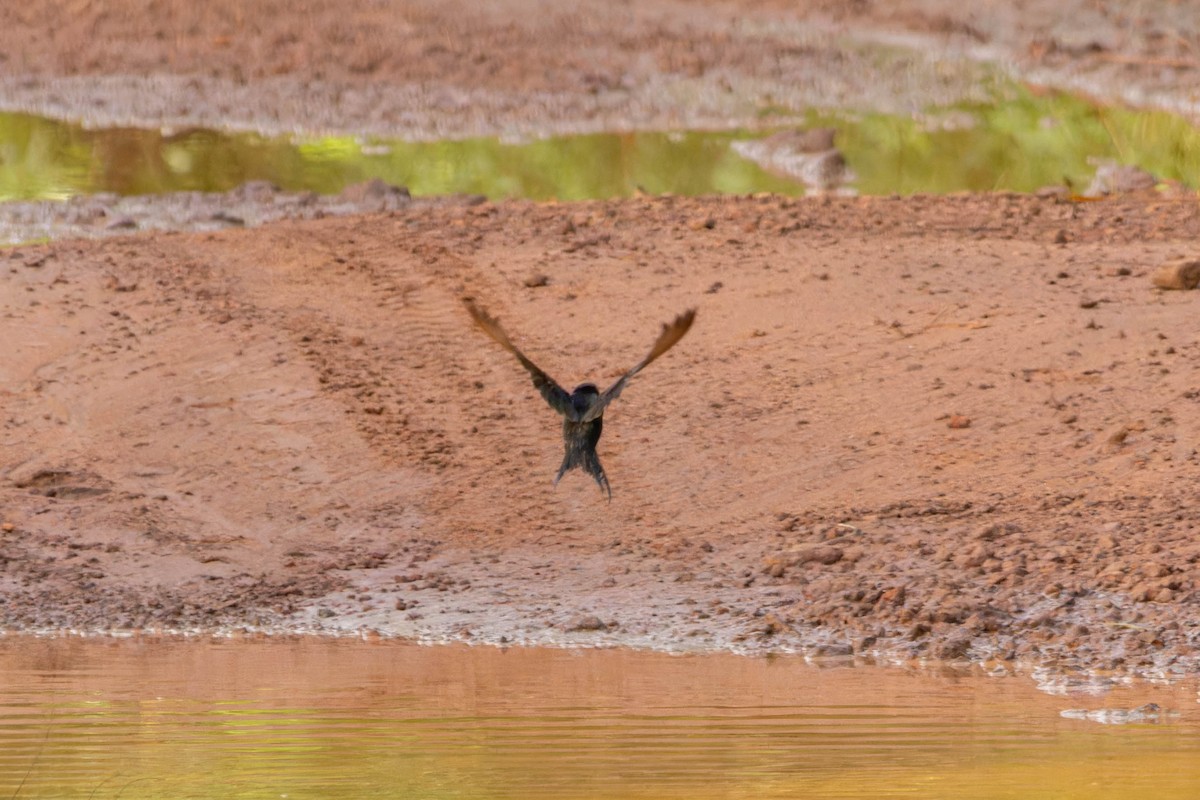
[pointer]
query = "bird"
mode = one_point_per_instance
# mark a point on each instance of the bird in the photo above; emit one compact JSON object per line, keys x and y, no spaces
{"x":583,"y":408}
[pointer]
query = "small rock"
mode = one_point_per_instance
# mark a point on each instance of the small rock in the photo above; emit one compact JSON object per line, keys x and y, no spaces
{"x":1118,"y":437}
{"x":995,"y":530}
{"x":376,"y":192}
{"x":112,"y":283}
{"x":810,"y":156}
{"x":536,"y":281}
{"x":8,"y":527}
{"x":821,"y":554}
{"x":1114,"y":178}
{"x":865,"y":643}
{"x":953,"y":648}
{"x":917,"y":631}
{"x":1182,"y":273}
{"x":587,"y":622}
{"x":1143,"y":592}
{"x":973,"y":557}
{"x":228,"y":219}
{"x":958,"y":421}
{"x":853,"y":555}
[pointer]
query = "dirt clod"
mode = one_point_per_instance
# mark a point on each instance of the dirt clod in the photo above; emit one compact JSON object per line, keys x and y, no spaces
{"x":1181,"y":273}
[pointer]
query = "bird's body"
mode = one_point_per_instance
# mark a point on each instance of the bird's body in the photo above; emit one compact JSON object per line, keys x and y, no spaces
{"x":583,"y":409}
{"x":581,"y":437}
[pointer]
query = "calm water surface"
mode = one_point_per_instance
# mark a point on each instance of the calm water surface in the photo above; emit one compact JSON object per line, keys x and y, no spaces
{"x":323,"y":719}
{"x":1021,"y":142}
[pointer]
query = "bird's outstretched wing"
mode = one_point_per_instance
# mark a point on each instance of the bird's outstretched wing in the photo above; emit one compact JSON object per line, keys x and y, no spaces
{"x":671,"y":334}
{"x":554,"y":394}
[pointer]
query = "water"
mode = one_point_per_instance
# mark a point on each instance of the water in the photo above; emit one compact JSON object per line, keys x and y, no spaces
{"x":1019,"y":143}
{"x":312,"y":718}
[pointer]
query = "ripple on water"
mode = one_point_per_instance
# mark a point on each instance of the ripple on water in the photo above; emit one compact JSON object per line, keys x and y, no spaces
{"x":336,"y":718}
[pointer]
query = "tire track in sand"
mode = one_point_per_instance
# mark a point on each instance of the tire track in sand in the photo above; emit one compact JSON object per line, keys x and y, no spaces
{"x":381,"y":322}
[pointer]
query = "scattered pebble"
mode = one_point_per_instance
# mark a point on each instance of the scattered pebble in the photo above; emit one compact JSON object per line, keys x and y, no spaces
{"x":1113,"y":178}
{"x":122,"y":224}
{"x":819,"y":553}
{"x":1182,"y":273}
{"x":587,"y":622}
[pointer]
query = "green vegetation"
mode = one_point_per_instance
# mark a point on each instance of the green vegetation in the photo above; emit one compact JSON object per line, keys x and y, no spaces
{"x":1018,"y":143}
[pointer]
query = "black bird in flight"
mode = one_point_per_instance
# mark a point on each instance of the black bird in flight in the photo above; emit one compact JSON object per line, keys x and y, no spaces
{"x":583,"y":409}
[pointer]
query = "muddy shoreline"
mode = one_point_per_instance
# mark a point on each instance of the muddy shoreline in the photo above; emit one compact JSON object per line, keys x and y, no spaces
{"x":932,"y":428}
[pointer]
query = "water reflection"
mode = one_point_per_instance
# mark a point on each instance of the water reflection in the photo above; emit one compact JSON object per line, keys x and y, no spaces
{"x":1020,"y":143}
{"x":322,"y":718}
{"x":47,"y":159}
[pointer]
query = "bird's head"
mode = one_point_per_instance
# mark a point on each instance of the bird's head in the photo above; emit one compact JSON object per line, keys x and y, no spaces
{"x":584,"y":396}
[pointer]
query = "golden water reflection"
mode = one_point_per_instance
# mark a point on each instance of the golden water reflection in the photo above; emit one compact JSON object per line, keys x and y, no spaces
{"x":333,"y":718}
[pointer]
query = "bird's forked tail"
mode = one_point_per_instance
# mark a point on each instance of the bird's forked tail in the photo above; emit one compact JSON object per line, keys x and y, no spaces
{"x":589,"y":462}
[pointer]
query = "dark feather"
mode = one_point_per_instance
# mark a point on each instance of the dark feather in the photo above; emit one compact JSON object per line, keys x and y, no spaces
{"x":554,"y":394}
{"x":583,"y":409}
{"x":670,"y":336}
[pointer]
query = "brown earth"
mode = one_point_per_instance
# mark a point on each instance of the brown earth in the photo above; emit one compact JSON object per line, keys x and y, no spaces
{"x":957,"y":428}
{"x":438,"y":68}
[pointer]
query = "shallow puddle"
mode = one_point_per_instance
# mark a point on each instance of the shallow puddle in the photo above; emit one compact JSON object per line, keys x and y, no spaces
{"x":1021,"y":143}
{"x":340,"y":718}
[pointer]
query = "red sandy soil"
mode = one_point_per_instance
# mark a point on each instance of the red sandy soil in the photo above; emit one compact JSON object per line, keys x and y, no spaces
{"x":960,"y":427}
{"x":437,"y":68}
{"x":923,"y":424}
